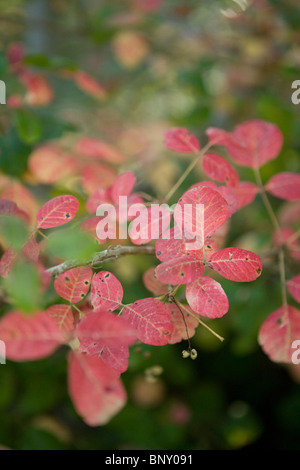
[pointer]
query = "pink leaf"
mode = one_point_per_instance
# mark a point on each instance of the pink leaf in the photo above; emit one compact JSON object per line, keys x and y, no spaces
{"x":49,"y":164}
{"x":32,"y":249}
{"x":7,"y":261}
{"x":278,"y":333}
{"x":286,"y":236}
{"x":179,"y":332}
{"x":206,"y":297}
{"x":95,"y":389}
{"x":289,"y":213}
{"x":179,"y":270}
{"x":285,"y":185}
{"x":106,"y":291}
{"x":251,"y":144}
{"x":152,"y":283}
{"x":215,"y":211}
{"x":10,"y":208}
{"x":89,"y":85}
{"x":294,"y":287}
{"x":149,"y":224}
{"x":236,"y":264}
{"x":58,"y":211}
{"x":180,"y":140}
{"x":39,"y":92}
{"x":63,"y":317}
{"x":95,"y":175}
{"x":101,"y":196}
{"x":219,"y":169}
{"x":106,"y":335}
{"x":29,"y":338}
{"x":151,"y":320}
{"x":74,"y":284}
{"x":245,"y":193}
{"x":18,"y":193}
{"x":173,"y":244}
{"x":230,"y":198}
{"x":123,"y":186}
{"x":94,"y":148}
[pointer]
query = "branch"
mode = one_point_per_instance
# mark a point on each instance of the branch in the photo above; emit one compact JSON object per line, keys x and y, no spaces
{"x":276,"y":225}
{"x":110,"y":254}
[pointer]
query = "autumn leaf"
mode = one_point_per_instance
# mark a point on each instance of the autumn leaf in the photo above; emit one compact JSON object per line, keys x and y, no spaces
{"x":236,"y":264}
{"x":58,"y":211}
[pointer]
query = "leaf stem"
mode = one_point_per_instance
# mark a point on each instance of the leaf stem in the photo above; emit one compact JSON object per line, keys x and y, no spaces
{"x":187,"y":172}
{"x":201,"y":322}
{"x":276,"y":225}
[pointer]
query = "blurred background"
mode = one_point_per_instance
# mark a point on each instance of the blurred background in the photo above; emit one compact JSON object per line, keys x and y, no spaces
{"x":160,"y":63}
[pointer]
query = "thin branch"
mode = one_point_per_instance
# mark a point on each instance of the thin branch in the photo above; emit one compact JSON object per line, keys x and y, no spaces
{"x":276,"y":225}
{"x":201,"y":322}
{"x":187,"y":171}
{"x":110,"y":254}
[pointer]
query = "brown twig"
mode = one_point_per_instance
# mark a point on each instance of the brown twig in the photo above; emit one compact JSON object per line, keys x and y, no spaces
{"x":110,"y":254}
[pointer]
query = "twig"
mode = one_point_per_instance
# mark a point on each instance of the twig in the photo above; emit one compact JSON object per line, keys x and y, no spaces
{"x":110,"y":254}
{"x":201,"y":322}
{"x":187,"y":171}
{"x":276,"y":225}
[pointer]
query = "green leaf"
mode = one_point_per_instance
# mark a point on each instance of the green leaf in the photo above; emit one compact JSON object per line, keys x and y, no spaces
{"x":13,"y":231}
{"x":23,"y":287}
{"x":71,"y":244}
{"x":28,"y":126}
{"x":13,"y":153}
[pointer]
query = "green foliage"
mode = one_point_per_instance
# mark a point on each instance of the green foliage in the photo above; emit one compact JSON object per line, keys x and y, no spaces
{"x":67,"y":244}
{"x":23,"y":286}
{"x":13,"y":231}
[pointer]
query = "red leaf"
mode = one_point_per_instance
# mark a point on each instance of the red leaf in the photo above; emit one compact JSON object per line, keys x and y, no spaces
{"x":11,"y":208}
{"x":7,"y":261}
{"x":18,"y":193}
{"x":230,"y":198}
{"x":179,"y":270}
{"x":95,"y":389}
{"x":294,"y":287}
{"x":285,"y":185}
{"x":215,"y":211}
{"x":106,"y":291}
{"x":219,"y":169}
{"x":175,"y":245}
{"x":49,"y":164}
{"x":94,"y":148}
{"x":289,"y":213}
{"x":206,"y":297}
{"x":151,"y":320}
{"x":95,"y":175}
{"x":58,"y":211}
{"x":180,"y":140}
{"x":149,"y":224}
{"x":245,"y":193}
{"x":101,"y":196}
{"x":251,"y":144}
{"x":29,"y":338}
{"x":123,"y":186}
{"x":106,"y":335}
{"x":74,"y":284}
{"x":179,"y":332}
{"x":278,"y":333}
{"x":32,"y":249}
{"x":153,"y":284}
{"x":89,"y":84}
{"x":39,"y":92}
{"x":236,"y":264}
{"x":287,"y":237}
{"x":63,"y":317}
